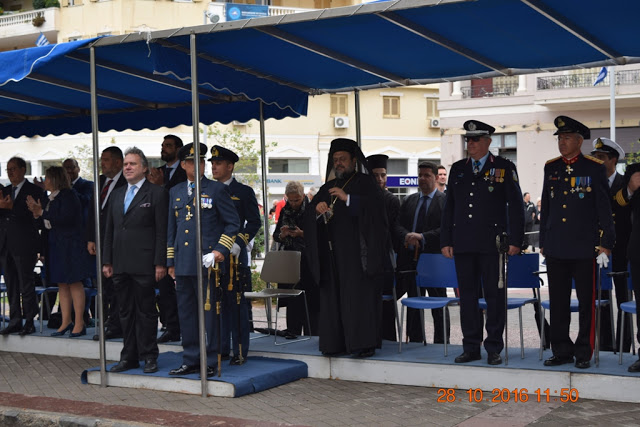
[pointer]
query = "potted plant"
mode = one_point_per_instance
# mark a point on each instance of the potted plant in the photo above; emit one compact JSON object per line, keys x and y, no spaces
{"x":38,"y":20}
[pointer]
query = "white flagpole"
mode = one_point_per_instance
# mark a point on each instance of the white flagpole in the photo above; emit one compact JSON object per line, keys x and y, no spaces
{"x":612,"y":102}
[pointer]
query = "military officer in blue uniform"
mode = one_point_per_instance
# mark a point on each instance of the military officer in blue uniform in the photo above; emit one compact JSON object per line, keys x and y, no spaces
{"x":483,"y":201}
{"x":219,"y":225}
{"x":575,"y":228}
{"x":223,"y":162}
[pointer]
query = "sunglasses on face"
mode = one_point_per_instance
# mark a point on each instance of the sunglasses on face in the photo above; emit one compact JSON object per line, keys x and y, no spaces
{"x":473,"y":138}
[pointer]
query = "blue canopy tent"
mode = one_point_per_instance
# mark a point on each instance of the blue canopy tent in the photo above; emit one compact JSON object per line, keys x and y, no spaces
{"x":267,"y":67}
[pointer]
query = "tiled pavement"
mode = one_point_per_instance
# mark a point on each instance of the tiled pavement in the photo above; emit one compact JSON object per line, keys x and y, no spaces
{"x":46,"y":390}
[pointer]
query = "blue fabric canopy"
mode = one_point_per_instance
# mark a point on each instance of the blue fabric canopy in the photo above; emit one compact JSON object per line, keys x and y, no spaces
{"x":143,"y":80}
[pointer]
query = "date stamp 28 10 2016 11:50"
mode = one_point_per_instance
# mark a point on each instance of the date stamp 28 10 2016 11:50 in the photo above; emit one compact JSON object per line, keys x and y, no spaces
{"x":504,"y":395}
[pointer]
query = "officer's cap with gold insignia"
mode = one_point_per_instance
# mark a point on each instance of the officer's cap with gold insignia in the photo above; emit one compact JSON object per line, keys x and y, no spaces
{"x":221,"y":153}
{"x":477,"y":128}
{"x":605,"y":145}
{"x":568,"y":125}
{"x":186,"y":152}
{"x":377,"y":161}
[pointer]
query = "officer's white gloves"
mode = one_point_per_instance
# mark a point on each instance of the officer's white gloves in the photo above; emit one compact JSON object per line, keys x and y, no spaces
{"x":235,"y":250}
{"x":602,"y":260}
{"x":208,"y":260}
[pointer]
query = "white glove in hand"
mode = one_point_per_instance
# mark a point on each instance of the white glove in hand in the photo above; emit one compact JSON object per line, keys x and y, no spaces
{"x":208,"y":260}
{"x":602,"y":260}
{"x":235,"y":250}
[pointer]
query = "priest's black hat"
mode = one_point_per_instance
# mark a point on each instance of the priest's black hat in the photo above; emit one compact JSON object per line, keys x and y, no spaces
{"x":377,"y":161}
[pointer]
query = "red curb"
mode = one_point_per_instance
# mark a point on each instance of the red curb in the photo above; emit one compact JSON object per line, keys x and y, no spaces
{"x":124,"y":413}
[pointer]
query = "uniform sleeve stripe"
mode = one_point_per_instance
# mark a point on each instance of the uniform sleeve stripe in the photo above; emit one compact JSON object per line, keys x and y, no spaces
{"x":244,"y":238}
{"x":620,"y":199}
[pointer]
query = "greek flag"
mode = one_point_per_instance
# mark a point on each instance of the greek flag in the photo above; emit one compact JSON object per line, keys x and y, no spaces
{"x":601,"y":76}
{"x":42,"y":40}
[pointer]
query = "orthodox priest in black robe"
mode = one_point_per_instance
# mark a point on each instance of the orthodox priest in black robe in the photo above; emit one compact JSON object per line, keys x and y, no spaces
{"x":346,"y":252}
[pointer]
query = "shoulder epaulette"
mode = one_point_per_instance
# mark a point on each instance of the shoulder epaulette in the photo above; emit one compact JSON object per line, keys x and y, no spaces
{"x":553,"y":160}
{"x":593,"y":159}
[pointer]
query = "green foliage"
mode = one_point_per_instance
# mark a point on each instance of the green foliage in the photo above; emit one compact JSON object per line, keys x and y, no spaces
{"x":257,"y":284}
{"x":39,"y":4}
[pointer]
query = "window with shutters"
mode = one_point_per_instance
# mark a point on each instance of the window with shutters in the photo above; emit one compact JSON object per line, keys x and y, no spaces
{"x":432,"y":108}
{"x":391,"y":107}
{"x":338,"y":105}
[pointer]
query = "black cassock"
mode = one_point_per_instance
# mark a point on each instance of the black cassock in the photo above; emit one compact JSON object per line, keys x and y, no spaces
{"x":350,"y":277}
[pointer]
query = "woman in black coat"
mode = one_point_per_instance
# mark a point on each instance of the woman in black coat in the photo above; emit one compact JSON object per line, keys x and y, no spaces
{"x":290,"y":235}
{"x":66,"y":248}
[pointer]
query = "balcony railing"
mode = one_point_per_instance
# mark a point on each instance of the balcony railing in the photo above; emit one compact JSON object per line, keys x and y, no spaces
{"x":489,"y":91}
{"x":279,"y":10}
{"x":572,"y":81}
{"x":7,"y":20}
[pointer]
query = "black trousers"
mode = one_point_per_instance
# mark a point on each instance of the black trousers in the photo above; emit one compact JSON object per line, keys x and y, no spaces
{"x":560,"y":273}
{"x":138,"y":316}
{"x":477,"y":274}
{"x":168,"y":305}
{"x":18,"y":276}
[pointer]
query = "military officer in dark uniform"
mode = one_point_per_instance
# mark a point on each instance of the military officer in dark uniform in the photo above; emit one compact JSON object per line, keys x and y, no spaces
{"x":483,"y":201}
{"x":219,"y":225}
{"x":609,"y":152}
{"x":378,"y":166}
{"x":244,"y":198}
{"x":575,"y":207}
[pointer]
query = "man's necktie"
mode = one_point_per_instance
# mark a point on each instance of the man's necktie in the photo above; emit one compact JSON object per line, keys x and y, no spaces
{"x":476,"y":167}
{"x":105,"y":191}
{"x":127,"y":200}
{"x":190,"y":188}
{"x":167,"y":175}
{"x":13,"y":192}
{"x":422,"y":215}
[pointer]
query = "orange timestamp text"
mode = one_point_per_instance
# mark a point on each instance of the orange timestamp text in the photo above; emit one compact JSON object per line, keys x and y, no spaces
{"x":503,"y":395}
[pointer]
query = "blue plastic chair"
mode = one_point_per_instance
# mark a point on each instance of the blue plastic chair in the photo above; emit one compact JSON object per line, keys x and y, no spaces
{"x":606,"y":285}
{"x":433,"y":271}
{"x":521,"y":275}
{"x":631,"y":308}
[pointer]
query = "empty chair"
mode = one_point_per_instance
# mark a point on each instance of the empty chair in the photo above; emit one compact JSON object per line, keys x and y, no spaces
{"x":433,"y":271}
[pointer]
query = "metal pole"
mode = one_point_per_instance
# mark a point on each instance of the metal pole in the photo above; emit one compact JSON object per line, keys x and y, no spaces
{"x":97,"y":207}
{"x":195,"y":113}
{"x":612,"y":102}
{"x":263,"y":160}
{"x":356,"y":92}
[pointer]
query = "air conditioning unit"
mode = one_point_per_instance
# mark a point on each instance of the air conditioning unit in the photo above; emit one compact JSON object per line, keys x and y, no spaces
{"x":434,"y":123}
{"x":341,"y":122}
{"x":237,"y":123}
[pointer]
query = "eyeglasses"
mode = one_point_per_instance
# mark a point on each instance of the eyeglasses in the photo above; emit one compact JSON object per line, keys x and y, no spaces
{"x":473,"y":138}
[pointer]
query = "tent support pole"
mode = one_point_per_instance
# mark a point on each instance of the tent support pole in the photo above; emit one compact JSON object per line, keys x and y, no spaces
{"x":612,"y":102}
{"x":356,"y":92}
{"x":195,"y":113}
{"x":96,"y":208}
{"x":263,"y":162}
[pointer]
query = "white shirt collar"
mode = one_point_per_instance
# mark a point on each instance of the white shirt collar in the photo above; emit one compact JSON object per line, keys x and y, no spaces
{"x":137,"y":184}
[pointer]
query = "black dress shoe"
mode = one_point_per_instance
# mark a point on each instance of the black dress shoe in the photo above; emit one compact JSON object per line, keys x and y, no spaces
{"x":168,"y":337}
{"x":235,"y":360}
{"x":368,"y":352}
{"x":583,"y":364}
{"x":185,"y":370}
{"x":27,"y":329}
{"x":96,"y":337}
{"x":111,"y":335}
{"x":635,"y":367}
{"x":11,"y":329}
{"x":124,"y":365}
{"x":150,"y":366}
{"x":211,"y":371}
{"x":494,"y":359}
{"x":226,"y":357}
{"x":557,"y":361}
{"x":468,"y":357}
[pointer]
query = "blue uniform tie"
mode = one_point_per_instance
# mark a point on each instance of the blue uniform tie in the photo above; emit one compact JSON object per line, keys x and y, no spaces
{"x":476,"y":166}
{"x":127,"y":200}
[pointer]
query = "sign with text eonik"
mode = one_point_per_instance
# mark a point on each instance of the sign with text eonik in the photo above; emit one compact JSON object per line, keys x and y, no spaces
{"x":402,"y":181}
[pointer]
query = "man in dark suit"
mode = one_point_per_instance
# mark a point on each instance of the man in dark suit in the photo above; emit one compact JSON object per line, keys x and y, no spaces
{"x":111,"y":165}
{"x":378,"y":166}
{"x":629,"y":195}
{"x":576,"y":230}
{"x":244,"y":198}
{"x":19,"y":247}
{"x":135,"y":254}
{"x":483,"y":201}
{"x":609,"y":152}
{"x":219,"y":222}
{"x":167,"y":176}
{"x":419,"y":231}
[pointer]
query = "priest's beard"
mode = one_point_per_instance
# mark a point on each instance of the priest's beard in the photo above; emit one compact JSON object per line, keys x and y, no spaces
{"x":348,"y":170}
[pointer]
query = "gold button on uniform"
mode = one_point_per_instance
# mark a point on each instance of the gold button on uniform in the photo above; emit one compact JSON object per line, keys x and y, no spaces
{"x":470,"y":216}
{"x":186,"y":243}
{"x":186,"y":231}
{"x":564,"y":206}
{"x":566,"y":179}
{"x":564,"y":219}
{"x":566,"y":192}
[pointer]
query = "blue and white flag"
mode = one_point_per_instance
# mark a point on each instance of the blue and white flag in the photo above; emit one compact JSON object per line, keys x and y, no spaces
{"x":42,"y":40}
{"x":601,"y":76}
